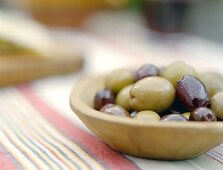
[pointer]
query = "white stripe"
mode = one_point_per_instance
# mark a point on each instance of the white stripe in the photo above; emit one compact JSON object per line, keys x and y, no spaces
{"x":17,"y":153}
{"x":17,"y":128}
{"x":45,"y":139}
{"x":29,"y":113}
{"x":215,"y":155}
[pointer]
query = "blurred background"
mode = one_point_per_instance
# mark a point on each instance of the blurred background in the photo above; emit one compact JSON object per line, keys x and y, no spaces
{"x":106,"y":32}
{"x":199,"y":17}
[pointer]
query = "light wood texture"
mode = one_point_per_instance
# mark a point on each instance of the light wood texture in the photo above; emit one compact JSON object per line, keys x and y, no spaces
{"x":17,"y":69}
{"x":155,"y":140}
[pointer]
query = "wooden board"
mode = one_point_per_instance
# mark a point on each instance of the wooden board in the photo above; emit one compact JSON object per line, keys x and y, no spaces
{"x":14,"y":69}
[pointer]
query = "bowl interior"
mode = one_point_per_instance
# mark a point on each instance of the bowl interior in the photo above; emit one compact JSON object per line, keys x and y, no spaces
{"x":156,"y":140}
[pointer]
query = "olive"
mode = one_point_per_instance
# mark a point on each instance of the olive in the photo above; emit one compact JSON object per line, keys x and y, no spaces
{"x":118,"y":79}
{"x":213,"y":82}
{"x":186,"y":114}
{"x":152,"y":93}
{"x":147,"y":115}
{"x":176,"y":71}
{"x":217,"y":104}
{"x":202,"y":114}
{"x":116,"y":110}
{"x":123,"y":98}
{"x":102,"y":98}
{"x":192,"y":93}
{"x":174,"y":117}
{"x":146,"y":71}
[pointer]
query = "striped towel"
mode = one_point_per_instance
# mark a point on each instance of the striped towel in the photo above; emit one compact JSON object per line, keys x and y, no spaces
{"x":35,"y":134}
{"x":39,"y":131}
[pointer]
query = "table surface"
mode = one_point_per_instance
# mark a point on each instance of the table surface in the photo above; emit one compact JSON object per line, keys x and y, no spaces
{"x":38,"y":130}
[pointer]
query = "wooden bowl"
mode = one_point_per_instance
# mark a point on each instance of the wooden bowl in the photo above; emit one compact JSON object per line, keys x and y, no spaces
{"x":155,"y":140}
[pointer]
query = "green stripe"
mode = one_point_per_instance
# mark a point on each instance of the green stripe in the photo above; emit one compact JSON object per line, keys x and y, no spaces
{"x":25,"y":143}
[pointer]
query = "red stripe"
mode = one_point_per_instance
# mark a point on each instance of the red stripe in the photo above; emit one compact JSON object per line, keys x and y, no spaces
{"x":5,"y":162}
{"x":59,"y":158}
{"x":102,"y":152}
{"x":214,"y":158}
{"x":218,"y":153}
{"x":49,"y":149}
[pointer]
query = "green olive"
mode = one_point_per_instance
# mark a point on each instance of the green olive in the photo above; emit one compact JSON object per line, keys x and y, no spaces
{"x":176,"y":71}
{"x":186,"y":114}
{"x":123,"y":97}
{"x":147,"y":115}
{"x":152,"y":93}
{"x":217,"y":104}
{"x":213,"y":82}
{"x":118,"y":79}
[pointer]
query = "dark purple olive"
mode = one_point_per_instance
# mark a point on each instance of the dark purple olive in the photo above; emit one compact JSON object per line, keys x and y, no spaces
{"x":192,"y":93}
{"x":102,"y":98}
{"x":116,"y":110}
{"x":146,"y":71}
{"x":174,"y":117}
{"x":202,"y":114}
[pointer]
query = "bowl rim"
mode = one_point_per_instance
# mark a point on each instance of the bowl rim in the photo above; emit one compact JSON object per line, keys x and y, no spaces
{"x":77,"y":104}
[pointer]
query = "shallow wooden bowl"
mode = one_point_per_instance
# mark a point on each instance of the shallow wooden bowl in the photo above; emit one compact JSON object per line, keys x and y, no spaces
{"x":155,"y":140}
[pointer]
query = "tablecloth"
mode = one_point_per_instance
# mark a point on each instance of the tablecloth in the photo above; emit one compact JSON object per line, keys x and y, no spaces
{"x":38,"y":130}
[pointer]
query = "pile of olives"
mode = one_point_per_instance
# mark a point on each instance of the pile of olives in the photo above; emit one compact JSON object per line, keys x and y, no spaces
{"x":174,"y":93}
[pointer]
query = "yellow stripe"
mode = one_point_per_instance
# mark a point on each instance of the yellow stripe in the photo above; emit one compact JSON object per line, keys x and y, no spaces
{"x":22,"y":147}
{"x":31,"y":145}
{"x":39,"y":120}
{"x":59,"y":136}
{"x":22,"y":123}
{"x":8,"y":130}
{"x":25,"y":163}
{"x":70,"y":154}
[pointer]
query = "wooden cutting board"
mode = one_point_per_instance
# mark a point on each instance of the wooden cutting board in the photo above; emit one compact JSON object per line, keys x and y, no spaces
{"x":14,"y":69}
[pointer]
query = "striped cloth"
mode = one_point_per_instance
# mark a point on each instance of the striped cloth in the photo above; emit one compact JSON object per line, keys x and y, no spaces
{"x":39,"y":131}
{"x":36,"y":135}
